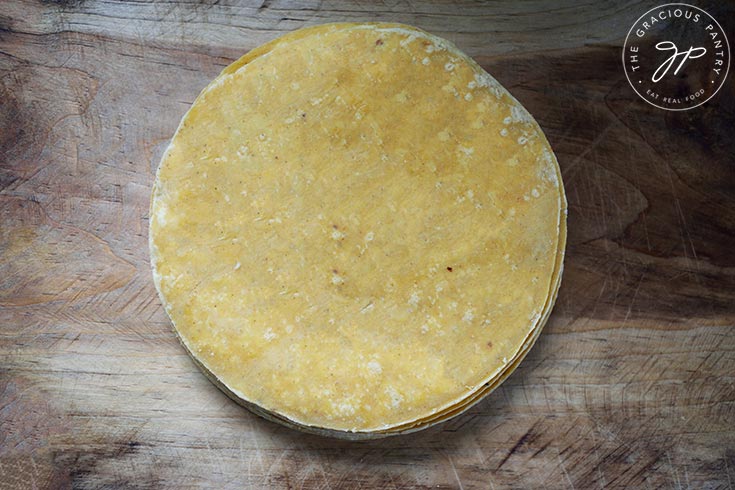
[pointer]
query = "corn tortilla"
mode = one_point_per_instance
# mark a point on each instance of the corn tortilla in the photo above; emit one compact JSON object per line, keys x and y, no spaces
{"x":357,"y":229}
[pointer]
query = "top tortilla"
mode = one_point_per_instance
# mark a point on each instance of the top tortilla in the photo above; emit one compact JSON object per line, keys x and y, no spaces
{"x":355,"y":227}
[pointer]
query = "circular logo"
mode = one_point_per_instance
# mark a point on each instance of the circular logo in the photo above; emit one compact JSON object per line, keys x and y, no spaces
{"x":676,"y":56}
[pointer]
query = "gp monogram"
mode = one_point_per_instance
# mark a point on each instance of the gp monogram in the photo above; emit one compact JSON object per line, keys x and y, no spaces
{"x":676,"y":56}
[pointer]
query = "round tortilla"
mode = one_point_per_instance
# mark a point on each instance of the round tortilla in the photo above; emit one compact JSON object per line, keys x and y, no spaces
{"x":357,"y":229}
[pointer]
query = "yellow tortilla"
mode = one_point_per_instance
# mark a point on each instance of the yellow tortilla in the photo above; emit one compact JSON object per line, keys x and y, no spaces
{"x":355,"y":228}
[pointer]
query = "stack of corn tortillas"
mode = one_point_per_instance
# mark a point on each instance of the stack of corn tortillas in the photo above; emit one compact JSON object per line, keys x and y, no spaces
{"x":356,"y":231}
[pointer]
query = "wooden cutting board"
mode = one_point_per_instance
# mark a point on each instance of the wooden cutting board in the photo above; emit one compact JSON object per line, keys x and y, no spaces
{"x":632,"y":383}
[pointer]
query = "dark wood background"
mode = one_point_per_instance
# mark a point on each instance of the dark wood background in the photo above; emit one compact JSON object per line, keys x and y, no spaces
{"x":631,"y":385}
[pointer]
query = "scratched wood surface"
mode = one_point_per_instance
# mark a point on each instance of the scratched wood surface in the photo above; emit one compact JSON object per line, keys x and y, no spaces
{"x":631,"y":385}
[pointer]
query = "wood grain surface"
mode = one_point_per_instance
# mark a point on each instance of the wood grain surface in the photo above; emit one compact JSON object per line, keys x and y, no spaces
{"x":631,"y":385}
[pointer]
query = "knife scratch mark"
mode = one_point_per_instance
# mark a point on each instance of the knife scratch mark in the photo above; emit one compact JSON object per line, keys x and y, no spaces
{"x":274,"y":463}
{"x":456,"y":475}
{"x":563,"y":468}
